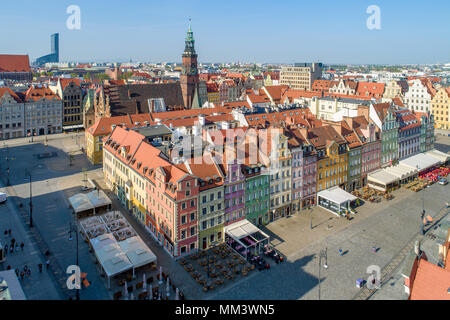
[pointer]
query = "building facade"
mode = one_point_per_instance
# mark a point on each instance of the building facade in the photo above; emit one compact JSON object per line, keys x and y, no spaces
{"x":301,"y":76}
{"x":440,"y":107}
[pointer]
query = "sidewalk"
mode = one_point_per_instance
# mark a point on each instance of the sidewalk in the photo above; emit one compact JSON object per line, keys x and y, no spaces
{"x":40,"y":286}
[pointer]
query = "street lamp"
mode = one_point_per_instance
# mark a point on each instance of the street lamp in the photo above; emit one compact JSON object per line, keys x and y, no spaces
{"x":323,"y":254}
{"x":28,"y":172}
{"x":77,"y":248}
{"x":422,"y":227}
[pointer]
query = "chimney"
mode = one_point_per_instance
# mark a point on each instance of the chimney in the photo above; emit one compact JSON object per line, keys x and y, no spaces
{"x":304,"y":132}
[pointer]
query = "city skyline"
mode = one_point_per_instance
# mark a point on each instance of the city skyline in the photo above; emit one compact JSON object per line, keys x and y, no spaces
{"x":245,"y":33}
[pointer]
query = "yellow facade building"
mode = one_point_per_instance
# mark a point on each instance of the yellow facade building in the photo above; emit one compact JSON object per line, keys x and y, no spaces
{"x":440,"y":106}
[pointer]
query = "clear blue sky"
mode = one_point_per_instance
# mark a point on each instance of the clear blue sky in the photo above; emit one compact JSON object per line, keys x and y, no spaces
{"x":233,"y":30}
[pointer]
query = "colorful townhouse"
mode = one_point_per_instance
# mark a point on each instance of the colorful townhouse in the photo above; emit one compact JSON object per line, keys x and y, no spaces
{"x":256,"y":193}
{"x":440,"y":107}
{"x":280,"y":173}
{"x":309,"y":171}
{"x":144,"y":181}
{"x":408,"y":133}
{"x":332,"y":157}
{"x":426,"y":120}
{"x":295,"y":146}
{"x":234,"y":186}
{"x":211,"y":207}
{"x":371,"y":145}
{"x":354,"y":154}
{"x":383,"y":116}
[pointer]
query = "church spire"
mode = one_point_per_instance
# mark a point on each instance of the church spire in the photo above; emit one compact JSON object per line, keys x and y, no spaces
{"x":190,"y":42}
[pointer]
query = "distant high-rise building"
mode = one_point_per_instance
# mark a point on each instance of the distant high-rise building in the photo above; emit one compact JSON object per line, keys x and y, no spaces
{"x":301,"y":76}
{"x":54,"y":55}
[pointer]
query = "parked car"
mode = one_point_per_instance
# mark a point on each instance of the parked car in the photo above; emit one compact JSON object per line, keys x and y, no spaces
{"x":443,"y":182}
{"x":3,"y":197}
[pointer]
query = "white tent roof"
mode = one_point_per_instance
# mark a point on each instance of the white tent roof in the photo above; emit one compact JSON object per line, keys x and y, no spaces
{"x":443,"y":157}
{"x":242,"y":229}
{"x":336,"y":195}
{"x":87,"y":201}
{"x":117,"y":265}
{"x":14,"y":289}
{"x":110,"y":255}
{"x":137,"y":251}
{"x":421,"y":160}
{"x":382,"y":176}
{"x":401,"y":171}
{"x":103,"y":240}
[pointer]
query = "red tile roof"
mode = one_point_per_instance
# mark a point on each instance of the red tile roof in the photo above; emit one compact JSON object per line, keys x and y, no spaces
{"x":65,"y":82}
{"x":103,"y":126}
{"x":3,"y":90}
{"x":370,"y":89}
{"x":36,"y":94}
{"x":14,"y":63}
{"x":431,"y":282}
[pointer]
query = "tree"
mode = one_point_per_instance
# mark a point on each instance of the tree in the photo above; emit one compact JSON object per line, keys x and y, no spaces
{"x":102,"y":76}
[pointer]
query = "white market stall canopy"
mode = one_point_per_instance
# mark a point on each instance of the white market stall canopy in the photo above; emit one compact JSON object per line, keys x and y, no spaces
{"x":337,"y":195}
{"x":382,"y":177}
{"x":401,"y":171}
{"x":443,"y":157}
{"x":242,"y":229}
{"x":87,"y":201}
{"x":421,"y":161}
{"x":137,"y":252}
{"x":117,"y":257}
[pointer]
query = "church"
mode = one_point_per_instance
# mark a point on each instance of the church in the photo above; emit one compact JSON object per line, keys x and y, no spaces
{"x":116,"y":99}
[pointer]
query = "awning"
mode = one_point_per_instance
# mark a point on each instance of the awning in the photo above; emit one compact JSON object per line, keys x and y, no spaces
{"x":336,"y":195}
{"x":381,"y":177}
{"x":443,"y":157}
{"x":421,"y":161}
{"x":137,"y":252}
{"x":77,"y":126}
{"x":401,"y":171}
{"x":87,"y":201}
{"x":242,"y":229}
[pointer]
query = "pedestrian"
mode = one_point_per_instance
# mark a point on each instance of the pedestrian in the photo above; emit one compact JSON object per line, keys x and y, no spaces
{"x":6,"y":249}
{"x":22,"y":245}
{"x":13,"y":241}
{"x":25,"y":268}
{"x":17,"y":272}
{"x":48,"y":264}
{"x":374,"y":249}
{"x":29,"y":272}
{"x":40,"y":267}
{"x":11,"y":249}
{"x":5,"y":233}
{"x":9,"y":232}
{"x":22,"y":274}
{"x":8,"y":267}
{"x":340,"y":251}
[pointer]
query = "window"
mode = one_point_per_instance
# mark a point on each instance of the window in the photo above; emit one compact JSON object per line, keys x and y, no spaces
{"x":192,"y":231}
{"x":183,"y":234}
{"x":183,"y":219}
{"x":192,"y":216}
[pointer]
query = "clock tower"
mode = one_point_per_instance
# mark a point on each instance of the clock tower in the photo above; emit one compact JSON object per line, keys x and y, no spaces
{"x":189,"y":74}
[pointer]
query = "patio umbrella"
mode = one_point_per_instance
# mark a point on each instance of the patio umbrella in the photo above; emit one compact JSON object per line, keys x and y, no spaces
{"x":125,"y":291}
{"x":144,"y":285}
{"x":160,"y":275}
{"x":168,"y":287}
{"x":177,"y":294}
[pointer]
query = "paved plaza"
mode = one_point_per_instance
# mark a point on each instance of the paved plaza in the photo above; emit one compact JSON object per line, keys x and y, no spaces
{"x":388,"y":225}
